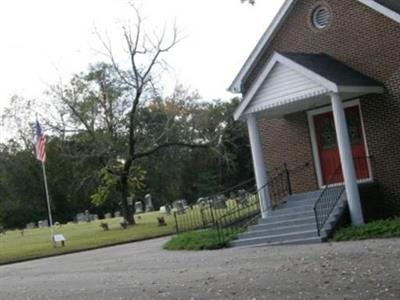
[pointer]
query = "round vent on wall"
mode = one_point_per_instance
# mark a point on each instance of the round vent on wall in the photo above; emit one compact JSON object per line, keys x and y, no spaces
{"x":321,"y":17}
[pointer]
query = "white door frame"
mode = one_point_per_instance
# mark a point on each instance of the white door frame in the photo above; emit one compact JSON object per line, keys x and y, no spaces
{"x":314,"y":144}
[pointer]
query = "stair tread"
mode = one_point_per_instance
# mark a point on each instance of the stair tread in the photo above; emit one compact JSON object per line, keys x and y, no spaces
{"x":281,"y":235}
{"x":283,"y":228}
{"x":276,"y":231}
{"x":282,"y":243}
{"x":285,"y":221}
{"x":300,"y":213}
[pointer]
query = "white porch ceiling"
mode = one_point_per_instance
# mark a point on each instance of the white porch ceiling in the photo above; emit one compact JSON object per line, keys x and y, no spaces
{"x":284,"y":86}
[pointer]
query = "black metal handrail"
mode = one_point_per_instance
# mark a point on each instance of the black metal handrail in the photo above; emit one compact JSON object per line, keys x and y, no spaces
{"x":328,"y":199}
{"x":236,"y":221}
{"x":335,"y":188}
{"x":279,"y":185}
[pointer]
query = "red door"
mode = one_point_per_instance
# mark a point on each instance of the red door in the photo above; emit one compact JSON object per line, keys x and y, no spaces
{"x":328,"y":149}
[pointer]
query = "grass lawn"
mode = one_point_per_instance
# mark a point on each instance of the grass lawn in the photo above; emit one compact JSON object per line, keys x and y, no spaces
{"x":377,"y":229}
{"x":36,"y":243}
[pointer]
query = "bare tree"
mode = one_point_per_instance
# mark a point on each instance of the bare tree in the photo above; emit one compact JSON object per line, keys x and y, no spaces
{"x":146,"y":61}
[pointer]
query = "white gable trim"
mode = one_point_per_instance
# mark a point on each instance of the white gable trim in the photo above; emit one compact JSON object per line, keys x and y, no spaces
{"x":278,"y":58}
{"x":236,"y":85}
{"x":285,"y":9}
{"x":382,"y":9}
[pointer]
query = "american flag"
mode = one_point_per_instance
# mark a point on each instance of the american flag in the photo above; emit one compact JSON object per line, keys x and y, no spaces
{"x":40,"y":143}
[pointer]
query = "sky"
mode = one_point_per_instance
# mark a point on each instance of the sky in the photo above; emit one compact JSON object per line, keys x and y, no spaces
{"x":45,"y":40}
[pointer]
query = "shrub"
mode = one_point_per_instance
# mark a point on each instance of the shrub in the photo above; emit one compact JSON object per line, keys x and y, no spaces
{"x":377,"y":229}
{"x":197,"y":240}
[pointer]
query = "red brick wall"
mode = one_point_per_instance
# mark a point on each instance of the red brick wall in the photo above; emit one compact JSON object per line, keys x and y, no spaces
{"x":292,"y":146}
{"x":368,"y":42}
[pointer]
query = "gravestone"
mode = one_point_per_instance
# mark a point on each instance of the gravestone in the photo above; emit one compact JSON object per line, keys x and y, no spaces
{"x":88,"y":216}
{"x":94,"y":217}
{"x":30,"y":225}
{"x":148,"y":203}
{"x":184,"y":202}
{"x":166,"y":209}
{"x":130,"y":201}
{"x":82,"y":218}
{"x":138,"y":207}
{"x":108,"y":216}
{"x":180,"y":207}
{"x":202,"y":202}
{"x":117,"y":214}
{"x":241,"y":197}
{"x":219,"y":202}
{"x":43,"y":224}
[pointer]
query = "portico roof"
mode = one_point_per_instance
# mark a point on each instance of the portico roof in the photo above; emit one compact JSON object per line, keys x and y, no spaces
{"x":298,"y":81}
{"x":388,"y":8}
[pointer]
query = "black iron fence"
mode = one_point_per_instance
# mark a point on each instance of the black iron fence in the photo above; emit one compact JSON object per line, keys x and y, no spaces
{"x":231,"y":211}
{"x":208,"y":210}
{"x":236,"y":221}
{"x":334,"y":190}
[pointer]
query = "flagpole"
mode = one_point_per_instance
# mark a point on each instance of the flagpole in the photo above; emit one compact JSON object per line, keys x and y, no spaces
{"x":48,"y":201}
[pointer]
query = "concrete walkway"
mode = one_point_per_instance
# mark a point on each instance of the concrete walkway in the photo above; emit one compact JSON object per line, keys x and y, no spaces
{"x":356,"y":270}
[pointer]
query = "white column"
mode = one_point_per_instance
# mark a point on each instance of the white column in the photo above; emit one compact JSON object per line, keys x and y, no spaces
{"x":346,"y":159}
{"x":258,"y":164}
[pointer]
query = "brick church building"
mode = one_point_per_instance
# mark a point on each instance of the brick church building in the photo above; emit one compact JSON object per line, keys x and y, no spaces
{"x":321,"y":91}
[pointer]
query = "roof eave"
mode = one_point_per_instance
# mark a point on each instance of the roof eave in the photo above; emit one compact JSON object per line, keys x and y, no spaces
{"x":382,"y":9}
{"x":377,"y":89}
{"x":236,"y":85}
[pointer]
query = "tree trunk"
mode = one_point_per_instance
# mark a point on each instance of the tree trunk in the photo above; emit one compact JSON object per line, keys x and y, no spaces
{"x":127,"y":210}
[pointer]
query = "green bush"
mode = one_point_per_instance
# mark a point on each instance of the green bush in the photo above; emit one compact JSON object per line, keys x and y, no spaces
{"x":377,"y":229}
{"x":198,"y":240}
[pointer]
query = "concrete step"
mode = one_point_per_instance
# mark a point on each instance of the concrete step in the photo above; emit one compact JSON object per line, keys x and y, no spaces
{"x":312,"y":240}
{"x":302,"y":196}
{"x":298,"y":203}
{"x":290,"y":216}
{"x":289,"y":210}
{"x":275,"y":231}
{"x":284,"y":223}
{"x":279,"y":238}
{"x":292,"y":223}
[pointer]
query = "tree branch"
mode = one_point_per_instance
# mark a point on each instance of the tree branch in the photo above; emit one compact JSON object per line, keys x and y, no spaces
{"x":167,"y":145}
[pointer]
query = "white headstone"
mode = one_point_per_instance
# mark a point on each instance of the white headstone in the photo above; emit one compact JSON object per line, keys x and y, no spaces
{"x":148,"y":203}
{"x":138,"y":207}
{"x":30,"y":226}
{"x":43,"y":224}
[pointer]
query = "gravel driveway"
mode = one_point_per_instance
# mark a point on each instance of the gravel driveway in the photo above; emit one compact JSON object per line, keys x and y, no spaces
{"x":356,"y":270}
